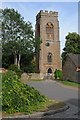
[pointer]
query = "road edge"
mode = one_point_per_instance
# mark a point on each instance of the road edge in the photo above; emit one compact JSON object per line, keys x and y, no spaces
{"x":39,"y":114}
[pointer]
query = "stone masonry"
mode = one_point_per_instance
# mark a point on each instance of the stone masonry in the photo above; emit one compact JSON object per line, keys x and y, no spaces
{"x":47,"y":28}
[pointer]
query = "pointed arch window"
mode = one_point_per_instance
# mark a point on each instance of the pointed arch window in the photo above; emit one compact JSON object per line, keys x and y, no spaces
{"x":49,"y":57}
{"x":49,"y":31}
{"x":49,"y":28}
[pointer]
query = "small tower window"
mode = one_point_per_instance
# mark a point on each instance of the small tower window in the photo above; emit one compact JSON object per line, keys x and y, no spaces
{"x":49,"y":57}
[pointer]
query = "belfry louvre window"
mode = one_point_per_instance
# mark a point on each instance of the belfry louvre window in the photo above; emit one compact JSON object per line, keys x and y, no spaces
{"x":49,"y":57}
{"x":49,"y":28}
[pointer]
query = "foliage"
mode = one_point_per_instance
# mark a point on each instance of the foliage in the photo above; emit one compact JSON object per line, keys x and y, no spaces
{"x":7,"y":60}
{"x":28,"y":63}
{"x":17,"y":37}
{"x":72,"y":45}
{"x":18,"y":43}
{"x":37,"y":43}
{"x":30,"y":68}
{"x":58,"y":74}
{"x":15,"y":69}
{"x":18,"y":97}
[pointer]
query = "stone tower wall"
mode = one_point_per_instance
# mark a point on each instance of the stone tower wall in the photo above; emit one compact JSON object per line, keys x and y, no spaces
{"x":42,"y":18}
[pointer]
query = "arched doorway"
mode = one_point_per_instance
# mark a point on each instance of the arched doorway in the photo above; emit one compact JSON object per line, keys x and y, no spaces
{"x":49,"y":74}
{"x":49,"y":70}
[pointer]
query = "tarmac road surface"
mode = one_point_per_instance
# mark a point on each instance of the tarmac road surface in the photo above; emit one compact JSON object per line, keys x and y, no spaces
{"x":57,"y":91}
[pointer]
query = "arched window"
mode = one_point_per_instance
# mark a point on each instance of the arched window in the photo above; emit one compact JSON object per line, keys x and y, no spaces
{"x":49,"y":25}
{"x":49,"y":57}
{"x":49,"y":30}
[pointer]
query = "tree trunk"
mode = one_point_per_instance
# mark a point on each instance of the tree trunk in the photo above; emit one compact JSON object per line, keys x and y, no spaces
{"x":18,"y":62}
{"x":15,"y":59}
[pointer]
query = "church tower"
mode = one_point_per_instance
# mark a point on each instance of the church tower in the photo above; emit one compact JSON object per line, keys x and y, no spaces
{"x":47,"y":28}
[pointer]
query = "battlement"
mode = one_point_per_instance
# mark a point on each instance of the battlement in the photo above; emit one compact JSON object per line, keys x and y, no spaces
{"x":46,"y":13}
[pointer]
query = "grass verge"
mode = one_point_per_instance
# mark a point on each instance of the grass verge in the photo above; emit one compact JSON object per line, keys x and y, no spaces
{"x":70,"y":83}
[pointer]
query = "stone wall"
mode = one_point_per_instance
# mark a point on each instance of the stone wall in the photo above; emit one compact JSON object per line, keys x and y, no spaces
{"x":31,"y":76}
{"x":3,"y":70}
{"x":35,"y":76}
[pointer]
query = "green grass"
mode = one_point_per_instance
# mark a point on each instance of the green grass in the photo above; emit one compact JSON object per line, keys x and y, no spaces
{"x":70,"y":83}
{"x":49,"y":104}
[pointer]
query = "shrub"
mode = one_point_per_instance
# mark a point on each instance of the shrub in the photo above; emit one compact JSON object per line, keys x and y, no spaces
{"x":58,"y":74}
{"x":15,"y":69}
{"x":18,"y":97}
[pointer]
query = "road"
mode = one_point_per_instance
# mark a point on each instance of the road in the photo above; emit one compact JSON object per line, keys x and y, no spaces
{"x":55,"y":90}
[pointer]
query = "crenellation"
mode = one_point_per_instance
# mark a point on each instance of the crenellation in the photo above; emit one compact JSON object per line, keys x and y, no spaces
{"x":46,"y":13}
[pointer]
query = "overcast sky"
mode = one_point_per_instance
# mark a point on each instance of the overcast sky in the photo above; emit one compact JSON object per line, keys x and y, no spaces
{"x":68,"y":14}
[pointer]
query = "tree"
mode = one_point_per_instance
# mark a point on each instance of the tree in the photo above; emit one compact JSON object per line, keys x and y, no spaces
{"x":32,"y":59}
{"x":37,"y":44}
{"x":17,"y":36}
{"x":72,"y":45}
{"x":28,"y":63}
